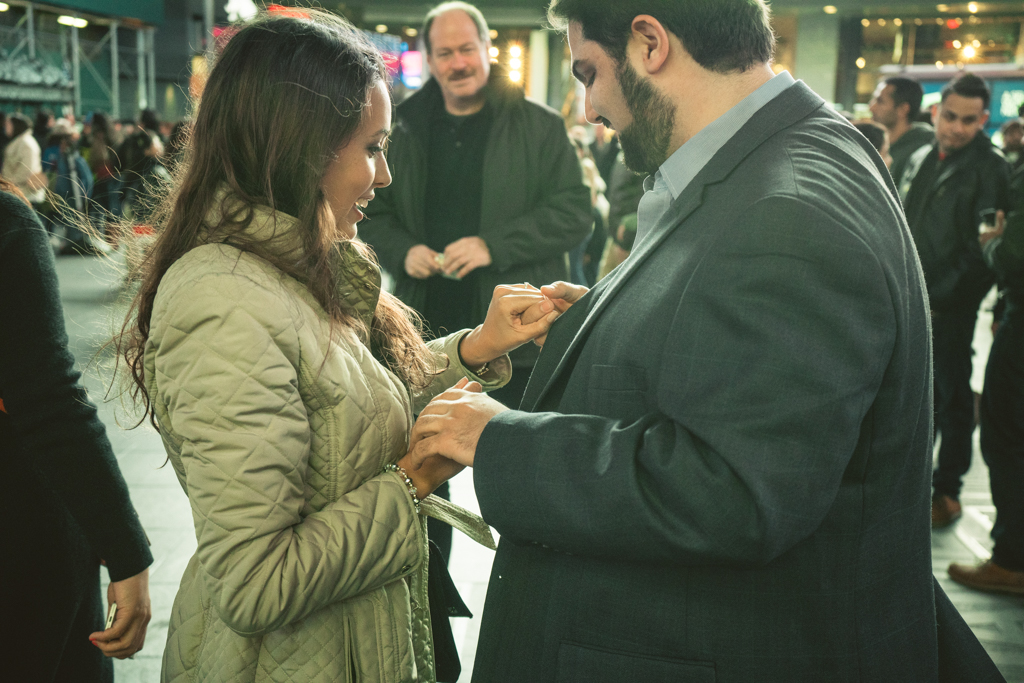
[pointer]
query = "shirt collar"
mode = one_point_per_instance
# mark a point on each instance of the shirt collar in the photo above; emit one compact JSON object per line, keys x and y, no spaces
{"x":687,"y":161}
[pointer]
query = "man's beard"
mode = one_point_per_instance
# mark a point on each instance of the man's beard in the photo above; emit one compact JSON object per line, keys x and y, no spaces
{"x":645,"y":141}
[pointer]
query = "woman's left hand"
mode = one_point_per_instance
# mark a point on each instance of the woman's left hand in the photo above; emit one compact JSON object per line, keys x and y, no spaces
{"x":504,"y":328}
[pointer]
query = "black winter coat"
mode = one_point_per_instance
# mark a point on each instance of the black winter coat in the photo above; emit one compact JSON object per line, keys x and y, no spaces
{"x":534,"y":208}
{"x":944,"y":218}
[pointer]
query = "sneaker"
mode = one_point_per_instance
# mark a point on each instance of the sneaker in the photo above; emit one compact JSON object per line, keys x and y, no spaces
{"x":945,"y":511}
{"x":988,"y":576}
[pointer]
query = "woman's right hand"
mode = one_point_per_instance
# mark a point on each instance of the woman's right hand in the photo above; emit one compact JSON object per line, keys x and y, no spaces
{"x":435,"y":470}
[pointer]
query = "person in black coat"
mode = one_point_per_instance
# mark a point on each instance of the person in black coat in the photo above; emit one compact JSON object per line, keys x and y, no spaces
{"x":64,"y":504}
{"x":719,"y":471}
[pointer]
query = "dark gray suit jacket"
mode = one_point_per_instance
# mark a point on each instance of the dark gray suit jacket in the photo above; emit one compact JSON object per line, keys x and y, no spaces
{"x":721,"y":469}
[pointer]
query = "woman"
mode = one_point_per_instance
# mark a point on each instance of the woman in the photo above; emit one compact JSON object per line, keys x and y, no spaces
{"x":71,"y":187}
{"x":280,"y":374}
{"x":63,"y":502}
{"x":105,"y":202}
{"x":23,"y":163}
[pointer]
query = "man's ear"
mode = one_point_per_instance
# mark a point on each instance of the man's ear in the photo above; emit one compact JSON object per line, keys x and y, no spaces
{"x":652,"y":38}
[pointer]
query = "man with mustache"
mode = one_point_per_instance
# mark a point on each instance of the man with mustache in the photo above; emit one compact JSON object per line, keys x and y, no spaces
{"x":720,"y":468}
{"x":487,"y":190}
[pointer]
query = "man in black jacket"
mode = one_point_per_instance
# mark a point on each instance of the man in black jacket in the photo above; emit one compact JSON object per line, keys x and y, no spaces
{"x":896,"y":104}
{"x":487,"y":187}
{"x":1002,"y":409}
{"x":720,"y":468}
{"x":487,"y":190}
{"x":948,"y":189}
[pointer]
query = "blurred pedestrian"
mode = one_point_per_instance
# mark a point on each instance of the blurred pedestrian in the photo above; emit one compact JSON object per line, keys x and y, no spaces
{"x":64,"y":505}
{"x":105,"y":206}
{"x":283,"y":379}
{"x":1013,"y":142}
{"x":878,"y":136}
{"x":43,"y":123}
{"x":23,"y":161}
{"x":949,"y":188}
{"x":71,"y":184}
{"x":144,"y":173}
{"x":896,"y":104}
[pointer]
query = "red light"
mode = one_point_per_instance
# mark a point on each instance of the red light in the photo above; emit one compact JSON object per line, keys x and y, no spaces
{"x":953,"y":24}
{"x":282,"y":11}
{"x":143,"y":230}
{"x":391,"y":62}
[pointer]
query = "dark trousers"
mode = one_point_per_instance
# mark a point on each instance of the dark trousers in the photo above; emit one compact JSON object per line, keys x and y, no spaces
{"x":1002,"y":439}
{"x":952,"y":334}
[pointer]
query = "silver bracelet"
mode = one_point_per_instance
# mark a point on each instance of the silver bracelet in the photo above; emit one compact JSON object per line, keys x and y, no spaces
{"x":391,"y":467}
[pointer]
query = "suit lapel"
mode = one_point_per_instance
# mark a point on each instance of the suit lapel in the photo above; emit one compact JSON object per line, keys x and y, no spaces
{"x":794,"y":104}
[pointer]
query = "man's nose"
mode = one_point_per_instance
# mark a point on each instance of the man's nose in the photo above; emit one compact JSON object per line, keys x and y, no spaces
{"x":588,"y":110}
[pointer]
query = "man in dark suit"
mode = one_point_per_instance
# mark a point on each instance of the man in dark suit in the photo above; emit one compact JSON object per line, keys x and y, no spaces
{"x":719,"y":471}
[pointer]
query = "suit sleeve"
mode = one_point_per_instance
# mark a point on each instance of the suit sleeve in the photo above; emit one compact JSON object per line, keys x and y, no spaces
{"x":775,"y":356}
{"x":562,"y":217}
{"x":230,"y":394}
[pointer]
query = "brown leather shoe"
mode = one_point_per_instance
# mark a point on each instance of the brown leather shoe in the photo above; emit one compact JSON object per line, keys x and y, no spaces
{"x":945,"y":511}
{"x":988,"y":576}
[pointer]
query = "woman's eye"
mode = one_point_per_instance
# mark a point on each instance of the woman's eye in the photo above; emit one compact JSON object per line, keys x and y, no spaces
{"x":374,"y":151}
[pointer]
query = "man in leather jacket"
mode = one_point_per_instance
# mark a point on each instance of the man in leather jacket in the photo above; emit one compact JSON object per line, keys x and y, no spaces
{"x":947,"y":190}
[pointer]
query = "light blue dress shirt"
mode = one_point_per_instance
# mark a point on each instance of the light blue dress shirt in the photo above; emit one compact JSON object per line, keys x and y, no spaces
{"x":675,"y":174}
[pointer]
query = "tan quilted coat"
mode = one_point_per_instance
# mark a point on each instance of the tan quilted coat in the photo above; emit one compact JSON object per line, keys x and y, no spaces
{"x":310,"y":564}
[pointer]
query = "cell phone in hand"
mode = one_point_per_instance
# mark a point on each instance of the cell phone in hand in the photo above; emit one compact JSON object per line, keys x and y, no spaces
{"x":110,"y":615}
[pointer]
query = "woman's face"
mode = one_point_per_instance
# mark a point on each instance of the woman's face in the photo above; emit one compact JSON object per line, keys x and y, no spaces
{"x":359,"y":167}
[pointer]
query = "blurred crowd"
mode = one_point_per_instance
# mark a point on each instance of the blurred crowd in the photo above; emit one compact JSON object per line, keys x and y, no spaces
{"x":84,"y":176}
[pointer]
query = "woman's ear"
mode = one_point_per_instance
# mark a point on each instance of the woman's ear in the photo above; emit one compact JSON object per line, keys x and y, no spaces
{"x":652,"y":39}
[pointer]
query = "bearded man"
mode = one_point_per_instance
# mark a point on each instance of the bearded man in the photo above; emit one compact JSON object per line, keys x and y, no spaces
{"x":720,"y":468}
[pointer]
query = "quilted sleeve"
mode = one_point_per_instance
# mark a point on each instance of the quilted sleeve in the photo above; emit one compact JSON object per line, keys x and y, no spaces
{"x":499,"y":371}
{"x":225,"y":354}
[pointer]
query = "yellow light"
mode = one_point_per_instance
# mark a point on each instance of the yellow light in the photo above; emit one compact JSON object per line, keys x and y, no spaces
{"x":830,"y":9}
{"x":515,"y":64}
{"x":976,"y":43}
{"x":865,"y":22}
{"x":515,"y":51}
{"x":881,"y":22}
{"x":898,"y":21}
{"x":969,"y":52}
{"x":515,"y":76}
{"x":77,"y":22}
{"x":939,"y":65}
{"x":493,"y":34}
{"x":942,"y":8}
{"x":4,"y":7}
{"x":382,"y":28}
{"x":918,"y":22}
{"x":412,"y":32}
{"x":861,"y":62}
{"x":494,"y":52}
{"x":957,"y":44}
{"x":972,"y":7}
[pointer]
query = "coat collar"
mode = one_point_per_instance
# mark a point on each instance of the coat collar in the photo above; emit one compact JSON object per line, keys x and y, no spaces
{"x":792,"y":105}
{"x":276,"y":234}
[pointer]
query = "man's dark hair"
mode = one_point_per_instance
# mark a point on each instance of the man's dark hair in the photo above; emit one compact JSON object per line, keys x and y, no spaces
{"x":721,"y":35}
{"x":474,"y":14}
{"x":874,"y":132}
{"x":970,"y":86}
{"x":906,"y":91}
{"x":149,"y":119}
{"x":19,"y":124}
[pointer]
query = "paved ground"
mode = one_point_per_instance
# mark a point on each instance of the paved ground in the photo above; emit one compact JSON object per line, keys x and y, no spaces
{"x":90,"y":294}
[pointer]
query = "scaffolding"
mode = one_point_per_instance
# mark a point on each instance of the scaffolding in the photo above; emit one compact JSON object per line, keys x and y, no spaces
{"x":95,"y":54}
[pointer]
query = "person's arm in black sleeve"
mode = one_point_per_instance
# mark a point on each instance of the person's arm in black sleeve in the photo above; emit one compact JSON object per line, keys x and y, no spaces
{"x":559,"y":222}
{"x":48,"y":410}
{"x":773,"y":360}
{"x":1005,"y":254}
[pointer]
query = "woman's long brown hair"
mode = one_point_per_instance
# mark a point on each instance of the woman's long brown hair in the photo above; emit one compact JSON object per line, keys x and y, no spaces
{"x":284,"y":96}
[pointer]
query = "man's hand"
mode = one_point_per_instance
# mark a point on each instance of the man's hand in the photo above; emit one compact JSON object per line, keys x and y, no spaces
{"x":421,"y":262}
{"x":505,"y":327}
{"x":450,"y":426}
{"x":987,"y":235}
{"x":463,"y":256}
{"x":128,"y":633}
{"x":562,"y":296}
{"x":427,"y":475}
